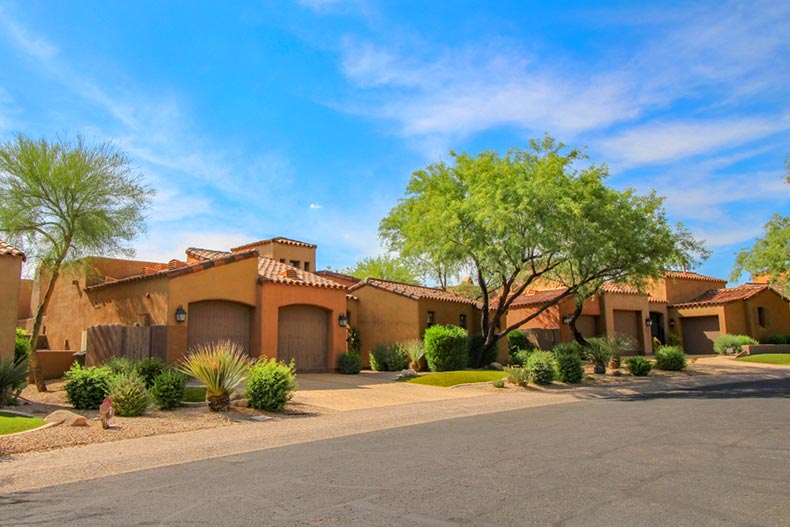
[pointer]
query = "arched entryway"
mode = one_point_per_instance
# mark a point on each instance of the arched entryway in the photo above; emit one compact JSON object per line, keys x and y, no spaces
{"x":214,"y":320}
{"x":303,"y":335}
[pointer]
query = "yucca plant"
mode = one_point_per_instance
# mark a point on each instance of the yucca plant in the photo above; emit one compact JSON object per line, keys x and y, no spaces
{"x":13,"y":378}
{"x":416,"y":351}
{"x":221,"y":366}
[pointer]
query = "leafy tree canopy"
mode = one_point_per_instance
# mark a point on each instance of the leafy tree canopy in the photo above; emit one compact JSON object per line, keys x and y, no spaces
{"x":770,"y":254}
{"x":385,"y":267}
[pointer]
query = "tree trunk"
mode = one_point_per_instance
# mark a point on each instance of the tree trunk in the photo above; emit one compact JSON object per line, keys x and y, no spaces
{"x":35,"y":365}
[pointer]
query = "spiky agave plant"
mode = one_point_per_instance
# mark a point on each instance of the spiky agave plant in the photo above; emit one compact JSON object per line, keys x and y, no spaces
{"x":221,"y":366}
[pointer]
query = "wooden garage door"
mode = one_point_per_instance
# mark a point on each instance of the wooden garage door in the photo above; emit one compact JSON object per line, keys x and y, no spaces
{"x":699,"y":334}
{"x":218,"y":320}
{"x":302,"y":335}
{"x":627,"y":323}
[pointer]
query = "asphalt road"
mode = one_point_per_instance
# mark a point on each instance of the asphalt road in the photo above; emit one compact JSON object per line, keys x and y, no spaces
{"x":715,"y":456}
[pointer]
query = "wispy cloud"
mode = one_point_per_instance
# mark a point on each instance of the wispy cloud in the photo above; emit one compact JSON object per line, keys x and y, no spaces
{"x":316,"y":206}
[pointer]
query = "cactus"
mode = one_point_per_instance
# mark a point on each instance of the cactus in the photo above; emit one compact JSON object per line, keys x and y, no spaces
{"x":106,"y":412}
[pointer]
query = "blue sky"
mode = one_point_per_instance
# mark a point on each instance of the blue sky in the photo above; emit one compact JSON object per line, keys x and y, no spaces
{"x":305,"y":119}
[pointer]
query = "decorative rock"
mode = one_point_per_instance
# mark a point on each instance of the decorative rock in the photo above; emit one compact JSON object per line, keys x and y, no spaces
{"x":617,"y":373}
{"x":235,"y":396}
{"x":495,"y":366}
{"x":67,"y":418}
{"x":242,"y":403}
{"x":408,"y":373}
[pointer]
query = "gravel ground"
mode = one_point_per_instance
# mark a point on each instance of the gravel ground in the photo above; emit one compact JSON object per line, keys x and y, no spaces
{"x":153,"y":422}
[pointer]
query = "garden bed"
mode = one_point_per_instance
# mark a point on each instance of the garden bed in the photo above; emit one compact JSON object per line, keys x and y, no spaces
{"x":14,"y":423}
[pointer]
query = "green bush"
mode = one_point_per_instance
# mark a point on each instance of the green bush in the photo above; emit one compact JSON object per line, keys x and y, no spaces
{"x":517,"y":375}
{"x":349,"y":363}
{"x":735,"y":342}
{"x":129,"y":395}
{"x":519,"y":357}
{"x":517,"y":340}
{"x":389,"y":358}
{"x":446,"y":348}
{"x":86,"y":388}
{"x":149,"y":369}
{"x":352,"y":339}
{"x":169,"y":389}
{"x":670,"y":358}
{"x":21,"y":345}
{"x":498,"y":383}
{"x":639,"y":366}
{"x":119,"y":365}
{"x":569,"y":367}
{"x":13,"y":378}
{"x":776,"y":339}
{"x":541,"y":367}
{"x":270,"y":384}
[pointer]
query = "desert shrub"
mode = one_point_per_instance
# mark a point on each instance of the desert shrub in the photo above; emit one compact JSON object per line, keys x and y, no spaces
{"x":270,"y":384}
{"x":119,"y":365}
{"x":519,"y":357}
{"x":721,"y":344}
{"x":569,"y":367}
{"x":568,"y":347}
{"x":598,"y":353}
{"x":445,"y":348}
{"x":86,"y":388}
{"x":148,"y":370}
{"x":776,"y":339}
{"x":673,"y":339}
{"x":21,"y":345}
{"x":13,"y":378}
{"x":639,"y":366}
{"x":168,"y":389}
{"x":517,"y":340}
{"x":415,"y":350}
{"x":221,"y":366}
{"x":475,"y":347}
{"x":517,"y":375}
{"x":670,"y":358}
{"x":349,"y":363}
{"x":388,"y":358}
{"x":352,"y":339}
{"x":541,"y":367}
{"x":498,"y":383}
{"x":129,"y":395}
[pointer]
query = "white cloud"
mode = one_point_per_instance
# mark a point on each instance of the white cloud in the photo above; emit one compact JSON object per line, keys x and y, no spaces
{"x":316,"y":206}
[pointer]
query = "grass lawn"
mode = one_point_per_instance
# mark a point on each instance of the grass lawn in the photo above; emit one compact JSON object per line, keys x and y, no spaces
{"x":11,"y":423}
{"x":451,"y":378}
{"x":768,"y":358}
{"x":195,"y":394}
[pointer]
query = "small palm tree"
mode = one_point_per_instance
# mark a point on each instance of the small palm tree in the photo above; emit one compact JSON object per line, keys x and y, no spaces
{"x":221,"y":366}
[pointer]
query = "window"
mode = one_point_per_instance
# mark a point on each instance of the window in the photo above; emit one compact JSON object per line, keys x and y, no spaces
{"x":294,"y":263}
{"x":430,"y":318}
{"x":282,"y":260}
{"x":462,"y":320}
{"x":307,"y":266}
{"x":762,"y":317}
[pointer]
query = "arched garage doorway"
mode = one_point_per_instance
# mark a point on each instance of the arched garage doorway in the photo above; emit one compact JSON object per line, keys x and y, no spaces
{"x":213,"y":320}
{"x":303,"y":335}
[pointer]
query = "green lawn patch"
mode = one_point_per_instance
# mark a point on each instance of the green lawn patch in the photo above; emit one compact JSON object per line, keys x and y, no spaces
{"x":451,"y":378}
{"x":768,"y":358}
{"x":195,"y":394}
{"x":12,"y":423}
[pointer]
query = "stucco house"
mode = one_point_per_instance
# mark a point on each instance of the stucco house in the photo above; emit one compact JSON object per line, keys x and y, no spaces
{"x":11,"y":260}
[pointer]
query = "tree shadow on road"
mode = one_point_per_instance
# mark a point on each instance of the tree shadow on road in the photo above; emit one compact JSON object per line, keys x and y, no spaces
{"x":763,"y":389}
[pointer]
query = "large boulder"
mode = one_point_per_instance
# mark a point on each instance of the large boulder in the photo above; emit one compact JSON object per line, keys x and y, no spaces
{"x":66,"y":418}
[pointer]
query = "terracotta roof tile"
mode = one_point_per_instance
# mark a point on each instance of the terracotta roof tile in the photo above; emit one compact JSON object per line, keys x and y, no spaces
{"x":622,"y":289}
{"x":415,"y":292}
{"x":9,"y":250}
{"x":691,"y":276}
{"x":205,"y":254}
{"x":654,"y":300}
{"x":334,"y":274}
{"x":273,"y":271}
{"x":351,"y":297}
{"x":279,"y":239}
{"x":724,"y":296}
{"x":178,"y":271}
{"x":537,"y":298}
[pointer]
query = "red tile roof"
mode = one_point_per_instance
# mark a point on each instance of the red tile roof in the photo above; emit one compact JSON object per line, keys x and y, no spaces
{"x":9,"y":250}
{"x":723,"y":296}
{"x":691,"y":276}
{"x":205,"y":254}
{"x":334,"y":274}
{"x":537,"y":298}
{"x":178,"y":271}
{"x":279,"y":239}
{"x":415,"y":292}
{"x":273,"y":271}
{"x":622,"y":289}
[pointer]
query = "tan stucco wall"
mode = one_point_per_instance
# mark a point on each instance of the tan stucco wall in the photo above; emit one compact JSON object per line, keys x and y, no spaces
{"x":10,"y":272}
{"x":611,"y":302}
{"x":273,"y":296}
{"x":234,"y":282}
{"x":25,"y":292}
{"x":384,"y":318}
{"x":281,"y":251}
{"x":448,"y":314}
{"x":679,"y":290}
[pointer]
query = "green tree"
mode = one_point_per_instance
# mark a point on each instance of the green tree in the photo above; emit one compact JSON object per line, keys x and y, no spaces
{"x":385,"y":267}
{"x":65,"y":199}
{"x":517,"y":220}
{"x":770,"y":254}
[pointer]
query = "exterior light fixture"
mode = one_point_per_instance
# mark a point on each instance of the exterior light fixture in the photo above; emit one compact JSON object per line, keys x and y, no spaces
{"x":567,"y":320}
{"x":181,"y":314}
{"x":672,"y":322}
{"x":648,"y":321}
{"x":342,"y":320}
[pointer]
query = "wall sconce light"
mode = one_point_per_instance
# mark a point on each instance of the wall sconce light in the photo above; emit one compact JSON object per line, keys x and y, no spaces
{"x":181,"y":314}
{"x":567,"y":320}
{"x":672,"y":322}
{"x":342,"y":320}
{"x":648,"y":322}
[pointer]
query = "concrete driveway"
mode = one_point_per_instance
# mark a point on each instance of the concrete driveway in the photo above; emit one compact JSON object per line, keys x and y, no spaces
{"x":335,"y":392}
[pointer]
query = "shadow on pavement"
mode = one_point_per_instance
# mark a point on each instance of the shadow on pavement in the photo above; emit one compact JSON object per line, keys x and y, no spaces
{"x":763,"y":389}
